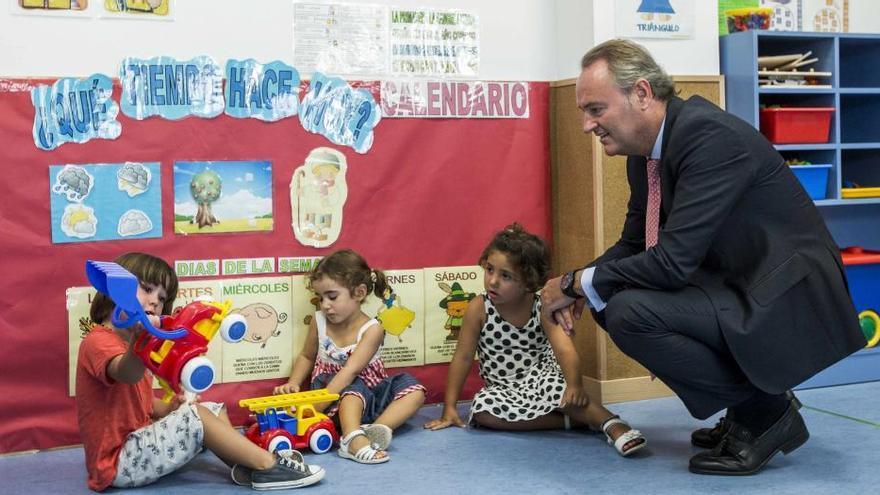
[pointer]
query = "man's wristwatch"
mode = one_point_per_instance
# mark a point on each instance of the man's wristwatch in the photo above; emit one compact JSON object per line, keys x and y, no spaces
{"x":566,"y":284}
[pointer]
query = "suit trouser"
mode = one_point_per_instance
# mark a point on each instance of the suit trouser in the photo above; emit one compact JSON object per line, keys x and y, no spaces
{"x":676,"y":336}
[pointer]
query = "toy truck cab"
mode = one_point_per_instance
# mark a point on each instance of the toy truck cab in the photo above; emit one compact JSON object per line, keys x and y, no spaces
{"x":291,"y":421}
{"x":180,"y":363}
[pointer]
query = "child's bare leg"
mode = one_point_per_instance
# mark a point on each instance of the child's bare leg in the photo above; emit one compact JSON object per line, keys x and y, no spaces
{"x":224,"y":416}
{"x":231,"y":446}
{"x":351,"y":409}
{"x":551,"y":421}
{"x":401,"y":409}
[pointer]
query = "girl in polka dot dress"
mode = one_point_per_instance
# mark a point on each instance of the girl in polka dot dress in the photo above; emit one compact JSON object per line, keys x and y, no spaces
{"x":529,"y":366}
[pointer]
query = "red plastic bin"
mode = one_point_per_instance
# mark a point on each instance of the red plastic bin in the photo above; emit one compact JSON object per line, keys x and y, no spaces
{"x":796,"y":124}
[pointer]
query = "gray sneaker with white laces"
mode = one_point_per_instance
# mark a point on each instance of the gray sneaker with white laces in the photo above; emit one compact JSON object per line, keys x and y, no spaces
{"x":289,"y":471}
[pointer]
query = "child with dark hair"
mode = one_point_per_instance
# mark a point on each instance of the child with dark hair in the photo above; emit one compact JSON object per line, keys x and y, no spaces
{"x":520,"y":353}
{"x":341,"y":352}
{"x":130,"y":437}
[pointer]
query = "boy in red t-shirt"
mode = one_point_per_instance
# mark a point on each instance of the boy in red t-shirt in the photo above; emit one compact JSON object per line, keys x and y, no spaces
{"x":132,"y":438}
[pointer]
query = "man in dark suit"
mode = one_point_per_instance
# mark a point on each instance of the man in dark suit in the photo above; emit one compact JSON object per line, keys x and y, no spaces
{"x":725,"y":282}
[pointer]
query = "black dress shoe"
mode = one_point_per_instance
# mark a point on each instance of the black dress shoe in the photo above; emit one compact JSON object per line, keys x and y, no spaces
{"x":740,"y":453}
{"x":708,"y":438}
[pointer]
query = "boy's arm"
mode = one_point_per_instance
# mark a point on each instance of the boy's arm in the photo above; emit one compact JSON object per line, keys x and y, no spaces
{"x":128,"y":367}
{"x":461,"y":364}
{"x":303,"y":364}
{"x":569,"y":361}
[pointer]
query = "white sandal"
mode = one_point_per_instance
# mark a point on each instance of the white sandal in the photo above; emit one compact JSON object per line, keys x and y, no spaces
{"x":379,"y":435}
{"x":624,"y":438}
{"x":366,"y":454}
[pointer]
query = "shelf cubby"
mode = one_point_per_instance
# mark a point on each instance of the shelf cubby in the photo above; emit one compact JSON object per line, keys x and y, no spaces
{"x":853,"y":148}
{"x":858,"y":62}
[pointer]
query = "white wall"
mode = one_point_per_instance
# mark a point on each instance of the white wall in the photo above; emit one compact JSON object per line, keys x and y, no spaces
{"x":574,"y":35}
{"x":517,"y":37}
{"x":582,"y":25}
{"x":535,"y":40}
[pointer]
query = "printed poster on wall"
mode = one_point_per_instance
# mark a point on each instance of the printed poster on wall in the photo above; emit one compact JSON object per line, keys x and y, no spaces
{"x":79,"y":300}
{"x":138,"y":9}
{"x":341,"y":38}
{"x":65,"y":8}
{"x":304,"y":305}
{"x":447,"y":294}
{"x":825,"y":16}
{"x":442,"y":43}
{"x":402,"y":315}
{"x":108,"y":201}
{"x":222,"y":196}
{"x":267,"y":348}
{"x":454,"y":99}
{"x":671,"y":19}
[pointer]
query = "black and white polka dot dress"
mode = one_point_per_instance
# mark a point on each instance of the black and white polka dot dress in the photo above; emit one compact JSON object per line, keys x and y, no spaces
{"x":523,"y":379}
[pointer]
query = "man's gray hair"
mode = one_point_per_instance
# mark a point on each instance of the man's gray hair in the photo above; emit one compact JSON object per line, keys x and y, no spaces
{"x":628,"y":62}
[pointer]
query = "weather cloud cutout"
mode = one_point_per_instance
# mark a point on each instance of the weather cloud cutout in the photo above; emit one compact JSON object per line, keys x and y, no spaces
{"x":134,"y":222}
{"x":73,"y":182}
{"x":133,"y":178}
{"x":79,"y":221}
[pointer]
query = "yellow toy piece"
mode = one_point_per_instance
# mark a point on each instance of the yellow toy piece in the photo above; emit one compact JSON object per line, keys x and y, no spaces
{"x":299,"y":404}
{"x":870,"y":323}
{"x":396,"y":319}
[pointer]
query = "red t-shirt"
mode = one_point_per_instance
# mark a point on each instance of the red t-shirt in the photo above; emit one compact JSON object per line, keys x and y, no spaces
{"x":107,"y":410}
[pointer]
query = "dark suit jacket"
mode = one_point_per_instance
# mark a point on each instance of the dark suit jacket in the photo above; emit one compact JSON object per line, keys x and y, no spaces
{"x":736,"y":222}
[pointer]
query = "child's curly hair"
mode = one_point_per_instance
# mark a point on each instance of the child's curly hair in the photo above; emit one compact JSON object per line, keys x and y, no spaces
{"x":527,"y":252}
{"x":350,"y":270}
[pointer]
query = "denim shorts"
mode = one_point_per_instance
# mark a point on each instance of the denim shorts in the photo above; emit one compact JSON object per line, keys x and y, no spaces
{"x":162,"y":447}
{"x":375,"y":399}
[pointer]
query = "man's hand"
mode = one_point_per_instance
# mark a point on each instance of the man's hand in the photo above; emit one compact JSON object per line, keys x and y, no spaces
{"x":559,"y":307}
{"x":552,"y":298}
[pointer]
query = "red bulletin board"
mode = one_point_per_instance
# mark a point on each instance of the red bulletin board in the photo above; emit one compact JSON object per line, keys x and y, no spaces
{"x":429,"y":193}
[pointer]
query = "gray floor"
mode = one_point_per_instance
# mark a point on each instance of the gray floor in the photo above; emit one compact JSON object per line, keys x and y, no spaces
{"x":840,"y":458}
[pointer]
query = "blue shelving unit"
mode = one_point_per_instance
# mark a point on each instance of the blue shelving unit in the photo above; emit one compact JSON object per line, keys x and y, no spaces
{"x":853,"y":148}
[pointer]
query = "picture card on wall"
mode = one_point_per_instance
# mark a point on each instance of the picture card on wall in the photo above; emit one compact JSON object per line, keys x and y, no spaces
{"x":110,"y":201}
{"x":157,"y":10}
{"x":222,"y":196}
{"x":61,"y":8}
{"x":267,"y":348}
{"x":447,"y":294}
{"x":318,"y":191}
{"x":401,"y":311}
